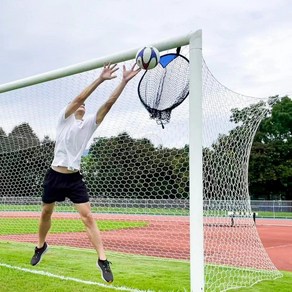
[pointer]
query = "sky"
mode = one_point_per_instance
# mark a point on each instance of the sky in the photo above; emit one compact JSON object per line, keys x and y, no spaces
{"x":247,"y":45}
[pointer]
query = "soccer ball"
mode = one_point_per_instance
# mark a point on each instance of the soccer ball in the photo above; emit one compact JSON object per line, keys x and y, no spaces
{"x":147,"y":58}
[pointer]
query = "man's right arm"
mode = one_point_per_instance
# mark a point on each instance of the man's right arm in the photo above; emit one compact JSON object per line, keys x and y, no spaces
{"x":80,"y":99}
{"x":106,"y":74}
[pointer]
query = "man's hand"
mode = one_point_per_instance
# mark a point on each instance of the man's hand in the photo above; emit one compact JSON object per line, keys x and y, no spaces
{"x":128,"y":75}
{"x":108,"y":72}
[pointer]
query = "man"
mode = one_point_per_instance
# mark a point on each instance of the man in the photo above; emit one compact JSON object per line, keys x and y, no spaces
{"x":63,"y":179}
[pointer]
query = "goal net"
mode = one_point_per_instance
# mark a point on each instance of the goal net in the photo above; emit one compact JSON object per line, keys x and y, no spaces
{"x":137,"y":175}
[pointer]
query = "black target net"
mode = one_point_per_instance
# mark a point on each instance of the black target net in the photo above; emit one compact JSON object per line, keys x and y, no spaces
{"x":164,"y":87}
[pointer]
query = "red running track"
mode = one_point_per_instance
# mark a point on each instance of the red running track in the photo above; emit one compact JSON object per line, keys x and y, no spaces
{"x":165,"y":236}
{"x":276,"y":236}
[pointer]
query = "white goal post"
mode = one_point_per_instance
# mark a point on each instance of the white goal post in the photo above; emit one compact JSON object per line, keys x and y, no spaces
{"x":196,"y":164}
{"x":196,"y":207}
{"x":212,"y":129}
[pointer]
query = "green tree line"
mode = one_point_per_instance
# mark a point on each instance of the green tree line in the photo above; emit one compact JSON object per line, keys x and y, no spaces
{"x":24,"y":160}
{"x":124,"y":167}
{"x":270,"y":165}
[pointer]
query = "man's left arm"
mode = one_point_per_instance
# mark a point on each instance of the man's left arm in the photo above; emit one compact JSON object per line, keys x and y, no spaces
{"x":105,"y":108}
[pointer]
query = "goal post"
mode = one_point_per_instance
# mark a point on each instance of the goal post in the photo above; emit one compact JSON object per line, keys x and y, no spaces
{"x":52,"y":90}
{"x":196,"y":164}
{"x":162,"y":196}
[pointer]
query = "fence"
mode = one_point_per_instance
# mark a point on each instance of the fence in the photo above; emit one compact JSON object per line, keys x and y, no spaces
{"x":272,"y":209}
{"x":264,"y":209}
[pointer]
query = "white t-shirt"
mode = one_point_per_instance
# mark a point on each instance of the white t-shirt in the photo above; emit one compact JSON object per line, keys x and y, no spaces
{"x":72,"y":137}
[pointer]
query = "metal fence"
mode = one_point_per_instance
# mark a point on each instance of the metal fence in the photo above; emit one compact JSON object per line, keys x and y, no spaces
{"x":273,"y":209}
{"x":109,"y":202}
{"x":267,"y":209}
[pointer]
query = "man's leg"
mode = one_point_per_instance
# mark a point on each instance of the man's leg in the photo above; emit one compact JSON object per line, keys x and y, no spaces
{"x":94,"y":235}
{"x":44,"y":227}
{"x":92,"y":230}
{"x":45,"y":223}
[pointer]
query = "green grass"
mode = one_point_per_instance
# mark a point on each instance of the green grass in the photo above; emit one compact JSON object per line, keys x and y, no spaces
{"x":112,"y":210}
{"x":136,"y":272}
{"x":283,"y":284}
{"x":219,"y":278}
{"x":30,"y":225}
{"x":261,"y":214}
{"x":130,"y":271}
{"x":278,"y":215}
{"x":148,"y":211}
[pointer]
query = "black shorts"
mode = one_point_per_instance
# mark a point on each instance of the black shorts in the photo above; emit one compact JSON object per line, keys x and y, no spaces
{"x":58,"y":186}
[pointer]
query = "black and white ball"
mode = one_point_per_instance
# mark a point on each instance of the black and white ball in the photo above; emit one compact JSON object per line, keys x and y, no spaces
{"x":147,"y":58}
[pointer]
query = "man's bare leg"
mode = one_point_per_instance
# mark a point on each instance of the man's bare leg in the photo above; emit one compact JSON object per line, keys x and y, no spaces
{"x":44,"y":227}
{"x":45,"y":223}
{"x":92,"y":230}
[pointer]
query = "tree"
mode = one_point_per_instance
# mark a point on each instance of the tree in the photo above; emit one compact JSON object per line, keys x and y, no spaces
{"x":225,"y":164}
{"x":270,"y":165}
{"x":124,"y":167}
{"x":3,"y":141}
{"x":24,"y":161}
{"x":2,"y":133}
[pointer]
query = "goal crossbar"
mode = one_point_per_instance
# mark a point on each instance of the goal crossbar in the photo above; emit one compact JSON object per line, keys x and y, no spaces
{"x":92,"y":64}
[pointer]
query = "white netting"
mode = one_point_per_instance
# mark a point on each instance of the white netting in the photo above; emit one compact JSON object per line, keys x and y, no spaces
{"x":138,"y":178}
{"x":230,"y":235}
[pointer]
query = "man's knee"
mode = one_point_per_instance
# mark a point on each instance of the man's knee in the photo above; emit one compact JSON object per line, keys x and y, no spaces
{"x":47,"y":211}
{"x":87,"y":218}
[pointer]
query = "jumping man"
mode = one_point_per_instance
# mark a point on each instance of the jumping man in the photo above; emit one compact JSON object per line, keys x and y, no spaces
{"x":63,"y":179}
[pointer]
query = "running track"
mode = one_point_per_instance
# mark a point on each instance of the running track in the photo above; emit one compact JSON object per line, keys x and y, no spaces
{"x":165,"y":236}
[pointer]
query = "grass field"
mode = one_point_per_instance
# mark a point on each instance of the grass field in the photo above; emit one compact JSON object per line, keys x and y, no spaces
{"x":148,"y":211}
{"x":283,"y":284}
{"x":131,"y":272}
{"x":71,"y":269}
{"x":30,"y":225}
{"x":111,"y":210}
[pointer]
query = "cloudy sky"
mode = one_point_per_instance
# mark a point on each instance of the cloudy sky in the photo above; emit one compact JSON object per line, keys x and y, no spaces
{"x":247,"y":44}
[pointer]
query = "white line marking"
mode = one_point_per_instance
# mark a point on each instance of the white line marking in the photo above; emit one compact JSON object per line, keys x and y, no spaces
{"x":47,"y":274}
{"x":279,"y":246}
